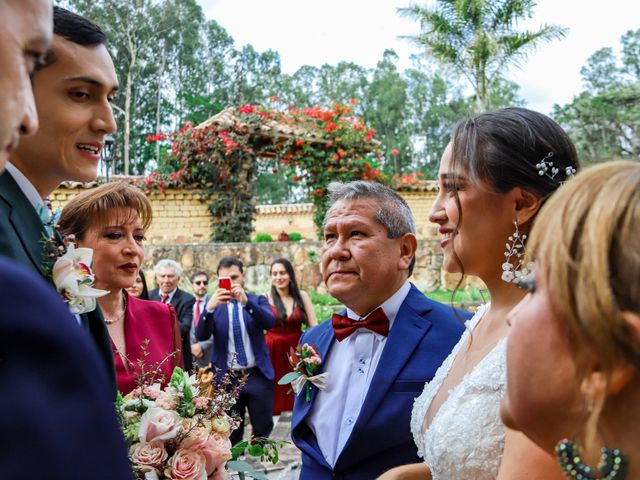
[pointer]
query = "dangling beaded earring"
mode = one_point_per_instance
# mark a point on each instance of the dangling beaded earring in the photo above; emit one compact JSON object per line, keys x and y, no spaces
{"x":514,"y":269}
{"x":613,"y":465}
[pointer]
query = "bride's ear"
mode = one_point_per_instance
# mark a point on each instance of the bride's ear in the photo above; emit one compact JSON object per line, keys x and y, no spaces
{"x":527,"y":205}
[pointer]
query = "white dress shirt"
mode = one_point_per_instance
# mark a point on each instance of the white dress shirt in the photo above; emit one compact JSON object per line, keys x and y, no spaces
{"x":169,"y":295}
{"x":351,"y":364}
{"x":25,"y":185}
{"x":232,"y":360}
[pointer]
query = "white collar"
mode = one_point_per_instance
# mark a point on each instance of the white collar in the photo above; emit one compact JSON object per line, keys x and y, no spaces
{"x":391,"y":306}
{"x":25,"y":185}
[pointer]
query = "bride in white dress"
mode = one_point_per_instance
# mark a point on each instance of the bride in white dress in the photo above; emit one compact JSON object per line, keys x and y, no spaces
{"x":492,"y":183}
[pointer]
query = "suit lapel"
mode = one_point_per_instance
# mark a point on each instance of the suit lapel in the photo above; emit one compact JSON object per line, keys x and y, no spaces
{"x":322,"y":344}
{"x":24,"y":220}
{"x":408,"y":329}
{"x":308,"y":442}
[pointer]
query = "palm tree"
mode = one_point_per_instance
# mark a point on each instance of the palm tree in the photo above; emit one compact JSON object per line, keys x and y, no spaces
{"x":478,"y":37}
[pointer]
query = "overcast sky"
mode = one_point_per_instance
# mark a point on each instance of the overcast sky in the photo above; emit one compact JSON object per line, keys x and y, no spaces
{"x":312,"y":32}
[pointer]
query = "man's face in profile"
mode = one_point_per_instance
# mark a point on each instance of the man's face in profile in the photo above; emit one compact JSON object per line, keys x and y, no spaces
{"x":25,"y":37}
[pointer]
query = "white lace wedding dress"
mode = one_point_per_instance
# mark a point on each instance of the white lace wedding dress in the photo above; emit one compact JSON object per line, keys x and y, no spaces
{"x":466,"y":436}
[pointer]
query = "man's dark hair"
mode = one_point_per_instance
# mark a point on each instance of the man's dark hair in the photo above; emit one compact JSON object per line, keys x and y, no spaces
{"x":76,"y":28}
{"x":226,"y":262}
{"x":198,"y":274}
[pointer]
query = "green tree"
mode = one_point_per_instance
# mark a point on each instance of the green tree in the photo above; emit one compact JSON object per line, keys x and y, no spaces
{"x":386,"y":112}
{"x":478,"y":38}
{"x":604,"y":119}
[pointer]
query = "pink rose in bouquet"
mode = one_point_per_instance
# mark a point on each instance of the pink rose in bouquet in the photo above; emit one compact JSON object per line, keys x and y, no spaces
{"x":159,"y":424}
{"x":151,"y":454}
{"x":186,"y":465}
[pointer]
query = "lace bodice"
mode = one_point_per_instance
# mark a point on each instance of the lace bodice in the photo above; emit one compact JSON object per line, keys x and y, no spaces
{"x":466,"y":436}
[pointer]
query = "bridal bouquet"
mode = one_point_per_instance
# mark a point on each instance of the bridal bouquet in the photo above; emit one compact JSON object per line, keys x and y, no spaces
{"x":306,"y":362}
{"x":180,"y":432}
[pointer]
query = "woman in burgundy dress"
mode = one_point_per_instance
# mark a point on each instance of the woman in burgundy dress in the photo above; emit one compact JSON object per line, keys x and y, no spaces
{"x":292,"y":308}
{"x":112,"y":220}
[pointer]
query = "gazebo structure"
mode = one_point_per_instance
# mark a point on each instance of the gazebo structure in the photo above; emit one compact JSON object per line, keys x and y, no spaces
{"x":316,"y":145}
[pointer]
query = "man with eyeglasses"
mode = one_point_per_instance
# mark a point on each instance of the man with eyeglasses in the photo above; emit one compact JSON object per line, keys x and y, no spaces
{"x":201,"y":350}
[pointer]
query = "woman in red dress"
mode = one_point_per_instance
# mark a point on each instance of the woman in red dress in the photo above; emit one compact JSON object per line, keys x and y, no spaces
{"x":292,"y":308}
{"x":112,"y":220}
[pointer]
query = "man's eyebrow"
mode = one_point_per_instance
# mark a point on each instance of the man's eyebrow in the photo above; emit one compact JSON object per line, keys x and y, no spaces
{"x":91,"y":81}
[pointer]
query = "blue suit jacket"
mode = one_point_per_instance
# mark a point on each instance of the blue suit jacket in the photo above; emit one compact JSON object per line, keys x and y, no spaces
{"x":422,"y":336}
{"x":257,"y":317}
{"x":58,"y":420}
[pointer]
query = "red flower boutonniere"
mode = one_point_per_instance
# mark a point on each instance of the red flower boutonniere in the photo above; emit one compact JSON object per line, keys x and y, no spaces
{"x":305,"y":361}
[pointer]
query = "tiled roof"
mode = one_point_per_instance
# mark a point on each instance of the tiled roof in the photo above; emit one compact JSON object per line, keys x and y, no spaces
{"x":285,"y":208}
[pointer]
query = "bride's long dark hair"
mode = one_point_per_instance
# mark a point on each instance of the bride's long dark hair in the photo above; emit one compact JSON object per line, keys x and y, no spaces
{"x":294,"y":291}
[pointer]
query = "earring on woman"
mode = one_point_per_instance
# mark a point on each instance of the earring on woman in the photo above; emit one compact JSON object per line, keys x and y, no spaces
{"x":612,"y":463}
{"x":514,"y":268}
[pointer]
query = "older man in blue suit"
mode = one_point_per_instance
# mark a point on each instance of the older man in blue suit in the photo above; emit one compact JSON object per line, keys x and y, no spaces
{"x":378,"y":353}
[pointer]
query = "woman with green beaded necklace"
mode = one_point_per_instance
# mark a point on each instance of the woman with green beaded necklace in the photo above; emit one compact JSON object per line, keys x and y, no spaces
{"x":573,"y":360}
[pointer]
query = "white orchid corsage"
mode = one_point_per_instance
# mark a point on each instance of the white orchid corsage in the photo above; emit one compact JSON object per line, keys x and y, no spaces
{"x":305,"y":361}
{"x":73,"y":279}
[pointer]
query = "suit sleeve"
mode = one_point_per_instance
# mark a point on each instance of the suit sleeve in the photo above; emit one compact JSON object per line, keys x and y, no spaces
{"x":185,"y":315}
{"x":260,"y":310}
{"x":178,"y":358}
{"x":204,"y":330}
{"x":64,"y":412}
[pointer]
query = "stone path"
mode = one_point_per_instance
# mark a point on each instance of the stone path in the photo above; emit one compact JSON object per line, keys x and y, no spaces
{"x":288,"y":468}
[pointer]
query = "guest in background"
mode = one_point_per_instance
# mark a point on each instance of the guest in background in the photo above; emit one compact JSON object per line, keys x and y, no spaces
{"x":237,"y":320}
{"x":292,"y":309}
{"x":573,"y":359}
{"x":201,"y":350}
{"x":139,"y":288}
{"x":112,"y":219}
{"x":168,"y":275}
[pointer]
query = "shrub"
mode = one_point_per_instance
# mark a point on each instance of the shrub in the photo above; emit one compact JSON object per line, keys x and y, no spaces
{"x":295,"y":237}
{"x":263,"y":237}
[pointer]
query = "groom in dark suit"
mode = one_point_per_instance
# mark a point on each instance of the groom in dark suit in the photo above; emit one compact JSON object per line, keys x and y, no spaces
{"x":378,"y":353}
{"x":55,"y":402}
{"x":237,"y":320}
{"x":168,"y":273}
{"x":73,"y":89}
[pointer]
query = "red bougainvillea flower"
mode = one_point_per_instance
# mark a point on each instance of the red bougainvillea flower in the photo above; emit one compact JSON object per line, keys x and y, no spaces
{"x":246,"y":109}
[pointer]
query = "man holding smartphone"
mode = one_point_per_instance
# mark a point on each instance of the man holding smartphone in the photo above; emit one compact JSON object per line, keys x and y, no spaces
{"x":237,"y":320}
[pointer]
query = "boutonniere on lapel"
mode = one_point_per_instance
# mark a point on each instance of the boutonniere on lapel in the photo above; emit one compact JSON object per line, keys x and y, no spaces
{"x":305,"y":361}
{"x":73,"y":278}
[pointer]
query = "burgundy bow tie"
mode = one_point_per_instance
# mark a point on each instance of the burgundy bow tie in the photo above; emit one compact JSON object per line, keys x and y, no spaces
{"x":376,"y":321}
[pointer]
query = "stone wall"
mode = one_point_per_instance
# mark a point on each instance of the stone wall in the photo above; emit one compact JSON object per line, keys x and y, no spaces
{"x":178,"y":215}
{"x":305,"y":257}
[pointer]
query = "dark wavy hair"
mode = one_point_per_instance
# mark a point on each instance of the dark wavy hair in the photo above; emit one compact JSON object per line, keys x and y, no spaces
{"x":294,"y":291}
{"x":145,"y":291}
{"x":503,"y":148}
